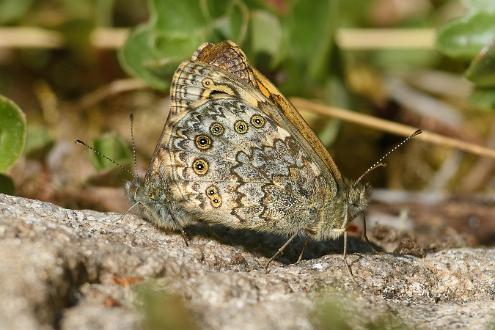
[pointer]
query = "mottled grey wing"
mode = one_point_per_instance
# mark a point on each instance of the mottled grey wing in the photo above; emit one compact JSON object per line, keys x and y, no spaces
{"x":195,"y":83}
{"x":230,"y":163}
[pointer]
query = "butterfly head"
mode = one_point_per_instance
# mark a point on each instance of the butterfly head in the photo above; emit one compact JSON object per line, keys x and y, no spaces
{"x":140,"y":196}
{"x":352,"y":200}
{"x":134,"y":190}
{"x":357,"y":198}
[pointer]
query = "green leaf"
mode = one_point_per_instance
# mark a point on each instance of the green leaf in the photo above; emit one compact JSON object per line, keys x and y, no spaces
{"x":172,"y":16}
{"x":138,"y":58}
{"x":6,"y":185}
{"x":238,"y":19}
{"x":227,"y":20}
{"x":266,"y":33}
{"x":482,"y":69}
{"x":464,"y":37}
{"x":483,"y":99}
{"x":309,"y":32}
{"x":12,"y":132}
{"x":215,"y":8}
{"x":175,"y":30}
{"x":113,"y":147}
{"x":13,"y":10}
{"x":174,"y":48}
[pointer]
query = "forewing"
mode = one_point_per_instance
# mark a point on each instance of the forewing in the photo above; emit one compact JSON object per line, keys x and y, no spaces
{"x":255,"y":178}
{"x":269,"y":177}
{"x":228,"y":56}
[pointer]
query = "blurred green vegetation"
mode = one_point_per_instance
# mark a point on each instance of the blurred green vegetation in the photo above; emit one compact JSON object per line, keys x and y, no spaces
{"x":163,"y":310}
{"x":112,"y":146}
{"x":296,"y":36}
{"x":333,"y":312}
{"x":472,"y":37}
{"x":294,"y":42}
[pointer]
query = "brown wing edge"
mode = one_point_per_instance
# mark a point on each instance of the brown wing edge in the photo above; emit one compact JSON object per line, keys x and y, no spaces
{"x":227,"y":56}
{"x":291,"y":113}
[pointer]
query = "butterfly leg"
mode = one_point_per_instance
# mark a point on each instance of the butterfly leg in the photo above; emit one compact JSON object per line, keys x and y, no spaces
{"x":280,"y":250}
{"x":124,"y":215}
{"x":184,"y":236}
{"x":344,"y":256}
{"x":302,"y":251}
{"x":365,"y":236}
{"x":181,"y":229}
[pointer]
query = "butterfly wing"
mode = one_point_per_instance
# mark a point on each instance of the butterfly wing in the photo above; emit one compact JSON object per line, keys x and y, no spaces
{"x":269,"y":177}
{"x":229,"y":57}
{"x":196,"y":82}
{"x":252,"y":173}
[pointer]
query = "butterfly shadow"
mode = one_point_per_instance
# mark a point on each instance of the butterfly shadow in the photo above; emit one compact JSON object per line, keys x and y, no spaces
{"x":266,"y":244}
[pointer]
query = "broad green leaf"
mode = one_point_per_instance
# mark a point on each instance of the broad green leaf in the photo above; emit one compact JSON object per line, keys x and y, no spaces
{"x":215,"y":8}
{"x":113,"y":147}
{"x":228,"y":20}
{"x":475,"y":6}
{"x":175,"y":30}
{"x":11,"y":10}
{"x":12,"y":132}
{"x":309,"y":33}
{"x":6,"y":185}
{"x":464,"y":37}
{"x":266,"y":33}
{"x":172,"y":49}
{"x":138,"y":58}
{"x":483,"y":99}
{"x":482,"y":69}
{"x":238,"y":20}
{"x":172,"y":16}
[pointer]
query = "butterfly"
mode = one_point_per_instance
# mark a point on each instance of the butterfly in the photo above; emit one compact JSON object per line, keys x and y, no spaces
{"x":235,"y":152}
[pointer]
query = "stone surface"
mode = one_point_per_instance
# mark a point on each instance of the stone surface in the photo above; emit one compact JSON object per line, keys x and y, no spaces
{"x":66,"y":269}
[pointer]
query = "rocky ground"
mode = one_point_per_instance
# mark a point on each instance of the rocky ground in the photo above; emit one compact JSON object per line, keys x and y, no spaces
{"x":67,"y":269}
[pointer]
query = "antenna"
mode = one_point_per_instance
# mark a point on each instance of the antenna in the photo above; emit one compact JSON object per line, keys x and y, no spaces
{"x":105,"y":156}
{"x":380,"y":163}
{"x":134,"y":158}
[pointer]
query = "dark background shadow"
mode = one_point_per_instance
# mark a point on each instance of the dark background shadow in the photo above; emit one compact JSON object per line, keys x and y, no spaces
{"x":267,"y":244}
